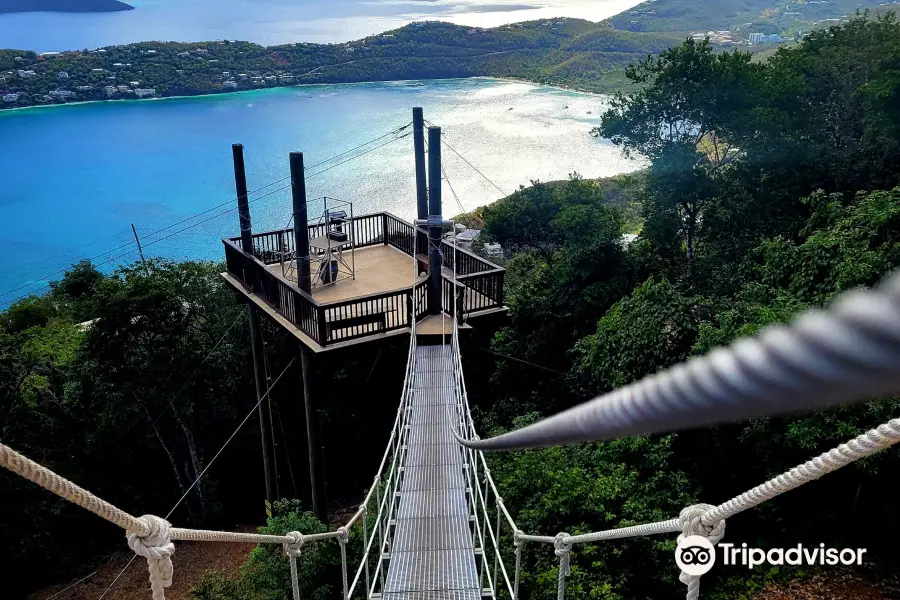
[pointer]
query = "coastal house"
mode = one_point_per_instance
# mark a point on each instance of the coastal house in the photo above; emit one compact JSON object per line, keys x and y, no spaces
{"x":230,"y":84}
{"x":26,"y":74}
{"x":493,"y":250}
{"x":62,"y":75}
{"x":465,"y":237}
{"x":123,"y":88}
{"x":13,"y":97}
{"x":61,"y":94}
{"x":118,"y":65}
{"x":145,"y":92}
{"x":110,"y":90}
{"x":84,"y":88}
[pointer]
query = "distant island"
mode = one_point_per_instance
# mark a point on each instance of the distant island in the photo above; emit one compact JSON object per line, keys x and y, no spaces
{"x":18,"y":6}
{"x":564,"y":52}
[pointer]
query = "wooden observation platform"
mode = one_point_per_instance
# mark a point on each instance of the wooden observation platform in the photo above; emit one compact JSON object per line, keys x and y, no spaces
{"x":388,"y":295}
{"x":342,"y":279}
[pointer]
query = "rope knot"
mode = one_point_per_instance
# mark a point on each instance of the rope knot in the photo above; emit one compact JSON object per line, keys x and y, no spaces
{"x":692,"y":524}
{"x":562,"y":546}
{"x":157,"y":548}
{"x":294,"y":544}
{"x":691,"y":521}
{"x":517,"y":537}
{"x":344,"y":534}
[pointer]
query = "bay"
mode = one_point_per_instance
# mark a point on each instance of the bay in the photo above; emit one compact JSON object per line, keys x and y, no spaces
{"x":74,"y":178}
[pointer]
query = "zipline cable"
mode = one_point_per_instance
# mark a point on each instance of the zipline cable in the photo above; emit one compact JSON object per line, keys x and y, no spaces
{"x":131,"y":244}
{"x":202,"y":473}
{"x":520,"y":360}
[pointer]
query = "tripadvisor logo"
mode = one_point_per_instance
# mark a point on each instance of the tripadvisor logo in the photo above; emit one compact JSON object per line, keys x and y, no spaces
{"x":695,"y":555}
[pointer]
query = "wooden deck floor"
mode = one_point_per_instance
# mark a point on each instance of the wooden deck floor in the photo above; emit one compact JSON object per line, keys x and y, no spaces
{"x":379,"y":269}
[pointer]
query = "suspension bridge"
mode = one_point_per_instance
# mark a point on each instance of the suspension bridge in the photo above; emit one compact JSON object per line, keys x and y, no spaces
{"x":433,"y":524}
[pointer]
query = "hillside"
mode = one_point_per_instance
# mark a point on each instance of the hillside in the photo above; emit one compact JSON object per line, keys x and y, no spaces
{"x":564,"y":52}
{"x":567,"y":52}
{"x":766,"y":16}
{"x":17,"y":6}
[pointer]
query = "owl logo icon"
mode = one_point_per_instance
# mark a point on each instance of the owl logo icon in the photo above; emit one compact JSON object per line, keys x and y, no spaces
{"x":695,"y":555}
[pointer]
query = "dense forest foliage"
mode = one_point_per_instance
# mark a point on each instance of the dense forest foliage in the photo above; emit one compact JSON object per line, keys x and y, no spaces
{"x":770,"y":188}
{"x":766,"y":16}
{"x":130,"y":383}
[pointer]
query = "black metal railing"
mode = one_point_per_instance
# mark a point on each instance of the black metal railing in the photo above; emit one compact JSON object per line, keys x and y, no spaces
{"x":285,"y":298}
{"x":361,"y":317}
{"x":420,"y":299}
{"x":479,"y":282}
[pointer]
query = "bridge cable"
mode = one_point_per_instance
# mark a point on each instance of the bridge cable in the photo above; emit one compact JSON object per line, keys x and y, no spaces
{"x":129,"y":245}
{"x":476,"y":169}
{"x":520,"y":360}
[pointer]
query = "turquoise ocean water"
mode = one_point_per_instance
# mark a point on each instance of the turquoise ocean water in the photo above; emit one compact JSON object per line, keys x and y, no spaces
{"x":73,"y":178}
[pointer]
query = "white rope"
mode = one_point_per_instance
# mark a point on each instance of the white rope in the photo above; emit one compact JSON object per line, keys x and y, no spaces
{"x":157,"y":547}
{"x":292,"y":549}
{"x":342,"y":540}
{"x":862,"y":446}
{"x":562,"y":547}
{"x":65,"y":489}
{"x":517,"y":541}
{"x":692,"y":524}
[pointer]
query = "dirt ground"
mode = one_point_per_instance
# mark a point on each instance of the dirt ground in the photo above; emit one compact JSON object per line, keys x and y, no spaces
{"x":191,"y":561}
{"x":844,"y":585}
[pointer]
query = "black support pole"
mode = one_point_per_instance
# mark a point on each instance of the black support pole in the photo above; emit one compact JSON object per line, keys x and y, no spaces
{"x":434,"y":229}
{"x":256,"y":344}
{"x":301,"y":245}
{"x":301,"y":231}
{"x":314,"y":444}
{"x":419,"y":147}
{"x":240,"y":185}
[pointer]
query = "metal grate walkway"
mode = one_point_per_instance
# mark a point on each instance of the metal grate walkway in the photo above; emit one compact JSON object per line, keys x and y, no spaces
{"x":432,"y":555}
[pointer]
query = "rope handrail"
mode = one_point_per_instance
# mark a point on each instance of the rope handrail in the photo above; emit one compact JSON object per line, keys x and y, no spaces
{"x":845,"y":354}
{"x":705,"y":520}
{"x":858,"y":338}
